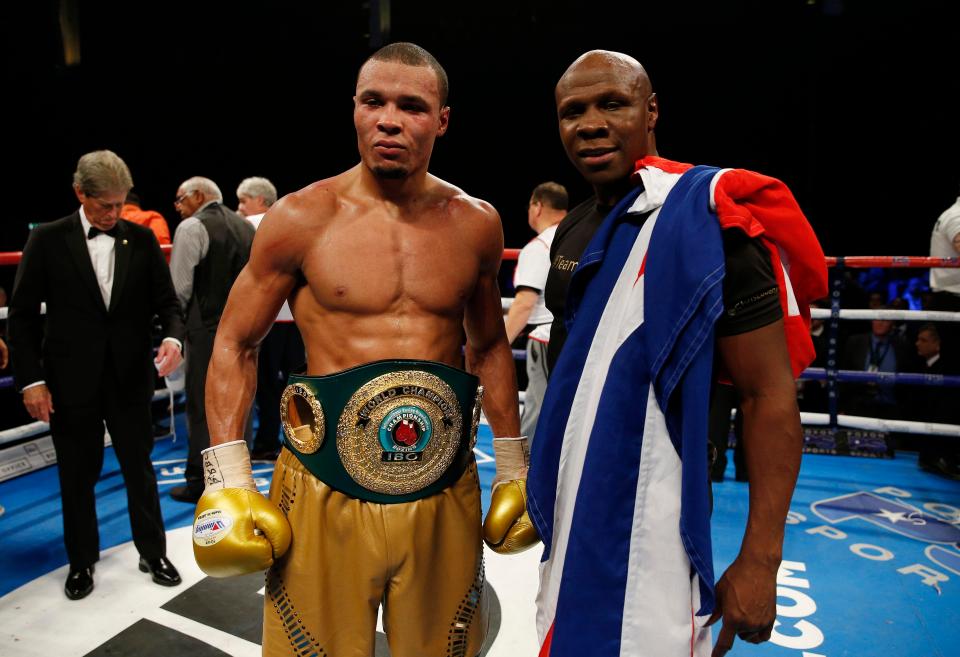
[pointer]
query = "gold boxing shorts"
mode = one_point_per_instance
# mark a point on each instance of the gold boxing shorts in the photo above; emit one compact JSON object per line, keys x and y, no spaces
{"x":422,"y":560}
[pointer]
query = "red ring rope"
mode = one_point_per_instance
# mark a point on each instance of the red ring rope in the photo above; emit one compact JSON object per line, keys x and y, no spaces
{"x":855,"y":262}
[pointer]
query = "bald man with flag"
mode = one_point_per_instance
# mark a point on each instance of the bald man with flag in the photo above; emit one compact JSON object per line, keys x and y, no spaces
{"x":680,"y":276}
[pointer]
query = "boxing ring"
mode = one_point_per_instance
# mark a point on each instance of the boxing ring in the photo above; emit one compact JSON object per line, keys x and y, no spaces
{"x":871,"y":557}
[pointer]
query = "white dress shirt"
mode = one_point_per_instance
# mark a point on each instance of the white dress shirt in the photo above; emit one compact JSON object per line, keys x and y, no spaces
{"x":101,"y":249}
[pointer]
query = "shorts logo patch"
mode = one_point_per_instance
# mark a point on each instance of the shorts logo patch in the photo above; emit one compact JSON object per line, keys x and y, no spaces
{"x":211,"y":527}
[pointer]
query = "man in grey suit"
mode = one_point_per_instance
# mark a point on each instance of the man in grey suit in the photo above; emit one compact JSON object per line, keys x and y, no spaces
{"x":210,"y":247}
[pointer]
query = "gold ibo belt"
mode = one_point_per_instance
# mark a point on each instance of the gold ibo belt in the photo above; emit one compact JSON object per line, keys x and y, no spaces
{"x":388,"y":431}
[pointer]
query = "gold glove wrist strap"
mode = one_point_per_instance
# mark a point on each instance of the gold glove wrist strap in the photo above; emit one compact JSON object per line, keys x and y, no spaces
{"x":227,"y":466}
{"x":512,"y":457}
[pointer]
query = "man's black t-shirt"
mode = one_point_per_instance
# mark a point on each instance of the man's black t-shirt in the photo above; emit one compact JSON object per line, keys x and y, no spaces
{"x":750,"y":293}
{"x":572,"y":236}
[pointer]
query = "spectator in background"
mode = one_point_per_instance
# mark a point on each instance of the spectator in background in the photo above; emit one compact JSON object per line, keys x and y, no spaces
{"x":150,"y":218}
{"x":210,"y":247}
{"x":913,"y":292}
{"x":255,"y":196}
{"x":880,"y":350}
{"x":528,"y":315}
{"x":938,"y":454}
{"x":282,"y":349}
{"x":945,"y":282}
{"x":901,"y":327}
{"x":872,"y":279}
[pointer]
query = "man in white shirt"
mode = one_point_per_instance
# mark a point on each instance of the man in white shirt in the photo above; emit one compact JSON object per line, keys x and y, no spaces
{"x":528,"y":313}
{"x":282,"y":350}
{"x":945,"y":282}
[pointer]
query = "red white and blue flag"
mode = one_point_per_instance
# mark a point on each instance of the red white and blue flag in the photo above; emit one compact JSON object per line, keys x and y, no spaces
{"x":618,"y":484}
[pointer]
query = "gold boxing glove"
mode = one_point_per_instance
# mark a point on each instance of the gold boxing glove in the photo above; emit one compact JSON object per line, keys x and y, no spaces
{"x":236,"y":530}
{"x":507,"y":528}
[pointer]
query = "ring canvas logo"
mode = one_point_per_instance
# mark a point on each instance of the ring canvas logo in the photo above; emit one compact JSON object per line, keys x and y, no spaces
{"x":886,"y":508}
{"x":211,"y":527}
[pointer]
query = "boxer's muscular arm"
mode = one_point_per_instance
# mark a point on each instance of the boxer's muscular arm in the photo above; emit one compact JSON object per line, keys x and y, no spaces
{"x":759,"y":365}
{"x":256,"y":297}
{"x":507,"y":528}
{"x":488,"y":352}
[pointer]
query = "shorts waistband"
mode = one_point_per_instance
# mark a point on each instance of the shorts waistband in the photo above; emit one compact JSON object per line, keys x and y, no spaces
{"x":387,"y":431}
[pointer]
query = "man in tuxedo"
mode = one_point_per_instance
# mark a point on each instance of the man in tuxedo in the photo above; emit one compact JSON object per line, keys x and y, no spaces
{"x":210,"y":247}
{"x":89,"y":361}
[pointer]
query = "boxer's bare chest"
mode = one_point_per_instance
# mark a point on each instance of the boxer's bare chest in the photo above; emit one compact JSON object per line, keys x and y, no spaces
{"x":372,"y":263}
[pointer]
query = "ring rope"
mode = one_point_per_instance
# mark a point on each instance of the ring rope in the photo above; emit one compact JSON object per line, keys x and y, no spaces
{"x":855,"y":262}
{"x":895,"y":315}
{"x":891,"y":262}
{"x":36,"y":428}
{"x":878,"y":424}
{"x":908,"y":378}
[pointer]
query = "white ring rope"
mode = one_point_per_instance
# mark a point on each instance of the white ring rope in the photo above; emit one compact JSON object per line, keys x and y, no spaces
{"x":37,"y":428}
{"x":877,"y":424}
{"x":815,"y":313}
{"x":897,"y":315}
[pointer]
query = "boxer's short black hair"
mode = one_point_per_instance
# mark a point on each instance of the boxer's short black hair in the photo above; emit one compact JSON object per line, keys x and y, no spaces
{"x":413,"y":55}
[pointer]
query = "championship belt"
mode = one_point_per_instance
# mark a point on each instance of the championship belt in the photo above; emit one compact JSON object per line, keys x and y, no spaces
{"x":387,"y":431}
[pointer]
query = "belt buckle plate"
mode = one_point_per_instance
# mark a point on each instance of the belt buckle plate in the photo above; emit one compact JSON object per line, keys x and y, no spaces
{"x":400,"y":432}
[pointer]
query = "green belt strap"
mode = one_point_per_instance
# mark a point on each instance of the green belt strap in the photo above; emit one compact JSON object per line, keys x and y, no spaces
{"x":335,"y":390}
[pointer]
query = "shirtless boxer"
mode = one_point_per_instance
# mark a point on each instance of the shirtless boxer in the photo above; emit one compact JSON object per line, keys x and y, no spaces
{"x":387,"y":268}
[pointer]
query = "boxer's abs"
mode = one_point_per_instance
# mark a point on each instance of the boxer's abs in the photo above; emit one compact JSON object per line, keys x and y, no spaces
{"x":339,"y":340}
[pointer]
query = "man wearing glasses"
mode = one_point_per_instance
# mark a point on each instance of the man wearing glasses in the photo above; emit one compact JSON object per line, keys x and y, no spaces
{"x":88,"y":361}
{"x":210,"y":247}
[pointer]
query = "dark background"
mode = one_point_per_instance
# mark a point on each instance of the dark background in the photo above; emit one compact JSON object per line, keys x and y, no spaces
{"x":850,"y":103}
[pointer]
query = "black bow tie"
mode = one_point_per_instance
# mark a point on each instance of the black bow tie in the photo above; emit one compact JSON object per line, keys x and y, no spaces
{"x":94,"y":231}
